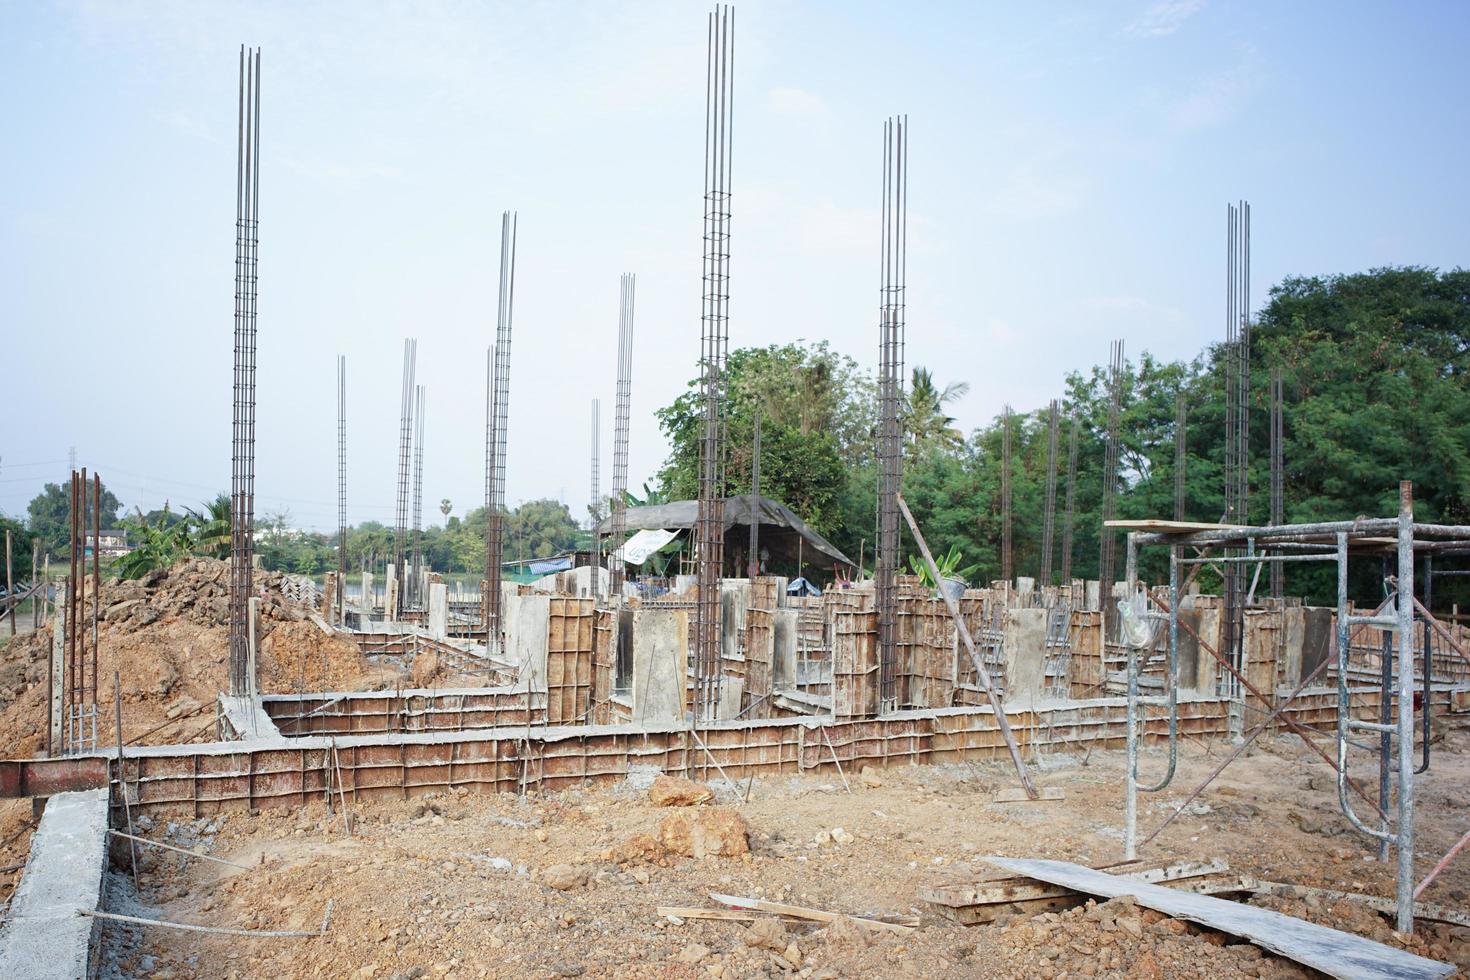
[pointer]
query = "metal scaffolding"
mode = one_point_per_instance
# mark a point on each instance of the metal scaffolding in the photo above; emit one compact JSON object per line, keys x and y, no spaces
{"x":622,"y":416}
{"x":242,"y":466}
{"x":714,"y":348}
{"x":893,"y":257}
{"x":1392,"y":822}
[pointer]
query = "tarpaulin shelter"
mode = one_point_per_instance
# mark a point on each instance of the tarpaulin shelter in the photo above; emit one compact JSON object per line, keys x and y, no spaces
{"x":783,"y":535}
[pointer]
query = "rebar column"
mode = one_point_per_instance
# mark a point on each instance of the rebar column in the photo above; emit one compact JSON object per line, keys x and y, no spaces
{"x":242,"y":465}
{"x":414,"y":595}
{"x":1049,"y":515}
{"x":1069,"y":512}
{"x":594,"y":500}
{"x":1236,"y":357}
{"x":341,"y":594}
{"x":1107,"y":538}
{"x":893,"y":257}
{"x":497,"y":422}
{"x":753,"y":560}
{"x":714,"y":347}
{"x":1007,"y":566}
{"x":401,"y":501}
{"x":1278,"y":485}
{"x":622,"y":415}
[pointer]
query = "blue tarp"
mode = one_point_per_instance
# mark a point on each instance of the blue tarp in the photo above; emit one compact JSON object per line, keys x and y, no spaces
{"x":801,"y":586}
{"x":550,"y":566}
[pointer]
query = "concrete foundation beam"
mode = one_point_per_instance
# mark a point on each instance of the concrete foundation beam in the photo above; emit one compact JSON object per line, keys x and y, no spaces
{"x":44,"y":937}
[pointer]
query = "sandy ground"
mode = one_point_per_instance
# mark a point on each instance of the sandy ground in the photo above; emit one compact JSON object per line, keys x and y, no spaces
{"x":462,"y":886}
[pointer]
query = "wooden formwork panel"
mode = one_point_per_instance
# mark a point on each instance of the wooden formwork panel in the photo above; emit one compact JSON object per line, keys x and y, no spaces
{"x":366,"y":715}
{"x":569,"y":642}
{"x":604,"y":664}
{"x":1085,"y":675}
{"x":854,"y":664}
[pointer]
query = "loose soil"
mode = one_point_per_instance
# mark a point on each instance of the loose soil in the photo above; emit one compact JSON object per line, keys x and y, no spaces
{"x":568,"y":884}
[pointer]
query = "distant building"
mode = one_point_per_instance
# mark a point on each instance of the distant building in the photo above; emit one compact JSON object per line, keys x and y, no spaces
{"x":114,"y":543}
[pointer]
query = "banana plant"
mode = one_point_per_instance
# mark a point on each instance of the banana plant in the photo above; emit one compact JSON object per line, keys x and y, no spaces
{"x":949,"y":568}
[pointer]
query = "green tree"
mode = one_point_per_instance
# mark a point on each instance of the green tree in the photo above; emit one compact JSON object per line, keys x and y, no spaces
{"x":50,"y":515}
{"x":925,"y":421}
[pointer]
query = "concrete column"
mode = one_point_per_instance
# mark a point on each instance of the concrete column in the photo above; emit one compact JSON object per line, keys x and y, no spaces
{"x":365,"y":599}
{"x":1025,"y":651}
{"x":390,"y":594}
{"x":660,"y":664}
{"x":783,"y":659}
{"x":438,"y":610}
{"x":524,"y":619}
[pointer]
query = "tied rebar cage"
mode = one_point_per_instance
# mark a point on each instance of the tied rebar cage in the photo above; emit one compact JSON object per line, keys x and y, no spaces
{"x":1278,"y":486}
{"x":893,"y":259}
{"x":415,"y":596}
{"x":1107,"y":548}
{"x":1049,"y":518}
{"x":1069,"y":512}
{"x":77,"y":724}
{"x":242,"y":465}
{"x":341,"y":594}
{"x":401,"y":502}
{"x":497,"y":415}
{"x":1007,"y":567}
{"x":594,"y":500}
{"x":1236,"y":355}
{"x":714,"y":347}
{"x":622,"y":414}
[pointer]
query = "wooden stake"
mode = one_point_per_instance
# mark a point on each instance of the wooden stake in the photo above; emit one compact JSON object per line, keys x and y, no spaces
{"x":980,"y":671}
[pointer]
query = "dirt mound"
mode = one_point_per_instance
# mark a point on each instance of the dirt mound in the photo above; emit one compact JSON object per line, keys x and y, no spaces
{"x":167,"y":636}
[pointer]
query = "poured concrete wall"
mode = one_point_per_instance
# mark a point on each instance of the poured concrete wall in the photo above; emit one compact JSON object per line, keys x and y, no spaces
{"x":660,"y":665}
{"x":525,"y":618}
{"x":1025,"y":652}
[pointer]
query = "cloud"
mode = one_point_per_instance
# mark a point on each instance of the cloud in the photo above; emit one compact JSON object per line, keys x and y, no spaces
{"x":1164,"y":18}
{"x":795,"y":102}
{"x":1220,"y":96}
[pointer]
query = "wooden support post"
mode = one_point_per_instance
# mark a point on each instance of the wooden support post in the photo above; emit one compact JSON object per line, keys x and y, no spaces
{"x":980,"y":671}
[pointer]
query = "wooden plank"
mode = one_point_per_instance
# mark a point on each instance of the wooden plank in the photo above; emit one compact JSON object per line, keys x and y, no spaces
{"x":1012,"y":794}
{"x":1335,"y":953}
{"x":1022,"y":888}
{"x":801,"y":912}
{"x":1170,"y":527}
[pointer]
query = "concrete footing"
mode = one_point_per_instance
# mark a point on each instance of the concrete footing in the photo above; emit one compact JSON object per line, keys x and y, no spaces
{"x":44,"y":936}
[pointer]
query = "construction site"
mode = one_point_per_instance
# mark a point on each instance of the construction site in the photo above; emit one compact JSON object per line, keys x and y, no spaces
{"x":212,"y":770}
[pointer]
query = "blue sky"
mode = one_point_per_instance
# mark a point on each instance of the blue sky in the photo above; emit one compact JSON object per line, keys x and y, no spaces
{"x":1070,"y":166}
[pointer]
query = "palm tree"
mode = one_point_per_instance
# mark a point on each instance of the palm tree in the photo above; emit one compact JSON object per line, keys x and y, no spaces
{"x":926,"y":422}
{"x":212,"y":527}
{"x":445,"y":507}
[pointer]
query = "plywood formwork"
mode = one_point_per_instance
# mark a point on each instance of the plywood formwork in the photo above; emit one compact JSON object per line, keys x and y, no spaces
{"x":854,"y":663}
{"x":569,"y":642}
{"x":760,"y":646}
{"x":382,"y":712}
{"x":604,"y":664}
{"x":1085,"y":677}
{"x":202,"y":780}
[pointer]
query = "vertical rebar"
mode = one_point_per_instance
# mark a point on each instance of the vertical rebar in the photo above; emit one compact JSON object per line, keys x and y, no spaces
{"x":1278,"y":485}
{"x":498,"y":419}
{"x":1049,"y":516}
{"x":242,"y":472}
{"x":1069,"y":512}
{"x":714,"y":347}
{"x":753,"y":561}
{"x":1236,"y":360}
{"x":414,"y":593}
{"x":1007,"y":570}
{"x":622,"y":415}
{"x":1107,"y":537}
{"x":342,"y":488}
{"x":594,"y":500}
{"x":405,"y":455}
{"x":1180,"y":459}
{"x":893,"y":263}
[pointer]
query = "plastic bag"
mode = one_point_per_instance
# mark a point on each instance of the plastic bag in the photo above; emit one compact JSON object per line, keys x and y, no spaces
{"x":1134,"y":628}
